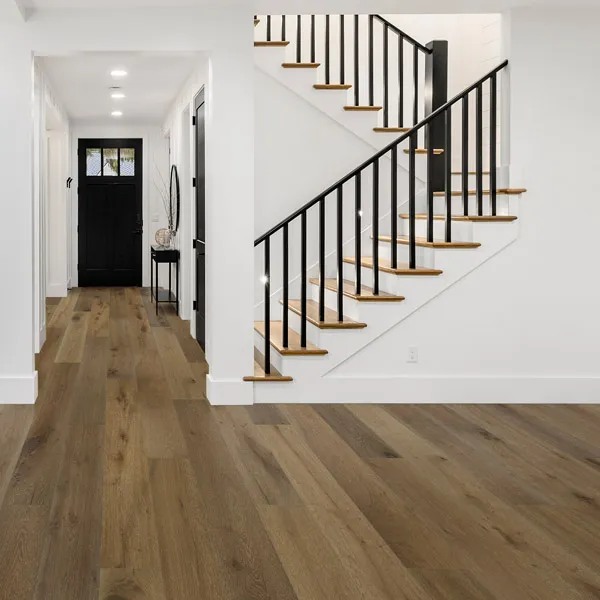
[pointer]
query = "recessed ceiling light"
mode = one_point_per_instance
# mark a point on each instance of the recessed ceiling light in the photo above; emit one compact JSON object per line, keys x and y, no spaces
{"x":116,"y":113}
{"x":118,"y":73}
{"x":117,"y":95}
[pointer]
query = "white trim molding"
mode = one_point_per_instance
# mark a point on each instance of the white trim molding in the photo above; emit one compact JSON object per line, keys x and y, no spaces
{"x":19,"y":389}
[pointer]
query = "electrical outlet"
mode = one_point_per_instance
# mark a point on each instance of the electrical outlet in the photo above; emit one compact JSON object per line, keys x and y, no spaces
{"x":155,"y":218}
{"x":413,"y":355}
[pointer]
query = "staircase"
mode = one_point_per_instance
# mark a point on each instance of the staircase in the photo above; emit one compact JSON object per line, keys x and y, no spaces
{"x":381,"y":242}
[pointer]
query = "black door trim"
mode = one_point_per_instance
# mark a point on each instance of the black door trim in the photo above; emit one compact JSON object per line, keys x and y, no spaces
{"x":200,"y":202}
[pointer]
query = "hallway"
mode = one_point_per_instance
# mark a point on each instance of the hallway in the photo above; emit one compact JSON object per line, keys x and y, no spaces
{"x":124,"y":484}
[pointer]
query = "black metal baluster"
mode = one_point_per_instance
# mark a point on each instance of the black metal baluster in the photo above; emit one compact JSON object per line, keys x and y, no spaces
{"x":286,"y":297}
{"x":322,"y":259}
{"x":283,"y":28}
{"x":268,"y":28}
{"x":327,"y":51}
{"x":479,"y":149}
{"x":313,"y":42}
{"x":340,"y":255}
{"x":299,"y":39}
{"x":371,"y":66}
{"x":400,"y":81}
{"x":394,"y":208}
{"x":448,"y":165}
{"x":358,"y":230}
{"x":465,"y":154}
{"x":386,"y":68}
{"x":493,"y":141}
{"x":429,"y":183}
{"x":342,"y":49}
{"x":376,"y":227}
{"x":303,"y":281}
{"x":416,"y":84}
{"x":267,"y":279}
{"x":356,"y":83}
{"x":412,"y":195}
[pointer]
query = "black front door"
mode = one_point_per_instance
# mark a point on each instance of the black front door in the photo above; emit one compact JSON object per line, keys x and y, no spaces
{"x":200,"y":241}
{"x":110,"y":222}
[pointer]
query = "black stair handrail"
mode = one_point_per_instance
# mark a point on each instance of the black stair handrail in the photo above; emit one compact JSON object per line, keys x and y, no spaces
{"x":441,"y":119}
{"x":379,"y":154}
{"x":380,"y":80}
{"x":403,"y":34}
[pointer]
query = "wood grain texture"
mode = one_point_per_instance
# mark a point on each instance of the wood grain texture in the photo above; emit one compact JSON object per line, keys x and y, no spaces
{"x":122,"y":483}
{"x":422,"y":242}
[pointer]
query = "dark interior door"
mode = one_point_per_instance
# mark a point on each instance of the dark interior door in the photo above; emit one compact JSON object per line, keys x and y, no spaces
{"x":110,"y":224}
{"x":200,"y":241}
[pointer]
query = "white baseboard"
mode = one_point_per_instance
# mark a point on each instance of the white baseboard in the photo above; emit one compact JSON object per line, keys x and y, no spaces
{"x":433,"y":390}
{"x":19,"y":390}
{"x":229,"y":392}
{"x":56,"y":290}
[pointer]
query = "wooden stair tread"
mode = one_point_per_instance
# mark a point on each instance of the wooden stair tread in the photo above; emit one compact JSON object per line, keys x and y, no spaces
{"x":363,"y":108}
{"x":436,"y":151}
{"x":391,"y":129}
{"x":366,"y":293}
{"x":272,"y":44}
{"x":422,"y":242}
{"x":256,"y":22}
{"x":500,"y":192}
{"x":475,"y":218}
{"x":385,"y":266}
{"x":294,"y":344}
{"x":301,"y":65}
{"x":331,"y":316}
{"x":260,"y":375}
{"x":332,"y":86}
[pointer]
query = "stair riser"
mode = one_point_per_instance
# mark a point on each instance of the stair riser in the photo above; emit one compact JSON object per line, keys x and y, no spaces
{"x":364,"y":312}
{"x":352,"y":308}
{"x":399,"y":285}
{"x":425,"y":256}
{"x":294,"y":366}
{"x":461,"y":231}
{"x":457,"y":182}
{"x":504,"y":205}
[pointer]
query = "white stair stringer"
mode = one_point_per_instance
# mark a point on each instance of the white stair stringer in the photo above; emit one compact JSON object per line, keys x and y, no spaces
{"x":314,"y":376}
{"x":331,"y":102}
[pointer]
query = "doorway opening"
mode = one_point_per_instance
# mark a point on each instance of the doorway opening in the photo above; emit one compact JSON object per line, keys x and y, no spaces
{"x":110,"y":225}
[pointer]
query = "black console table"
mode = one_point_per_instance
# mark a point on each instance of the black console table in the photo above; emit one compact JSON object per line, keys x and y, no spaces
{"x":159,"y":255}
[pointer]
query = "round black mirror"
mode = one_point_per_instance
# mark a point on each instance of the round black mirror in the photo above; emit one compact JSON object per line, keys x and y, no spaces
{"x":174,"y":199}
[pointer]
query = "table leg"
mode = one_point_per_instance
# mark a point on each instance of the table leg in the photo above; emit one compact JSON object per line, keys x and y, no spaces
{"x":169,"y":282}
{"x":151,"y":280}
{"x":156,"y":283}
{"x":177,"y":284}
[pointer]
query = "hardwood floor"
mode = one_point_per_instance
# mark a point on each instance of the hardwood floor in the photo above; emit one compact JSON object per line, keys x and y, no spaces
{"x":124,"y":484}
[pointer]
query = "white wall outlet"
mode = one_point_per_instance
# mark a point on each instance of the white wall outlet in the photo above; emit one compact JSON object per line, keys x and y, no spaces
{"x":155,"y":218}
{"x":413,"y":355}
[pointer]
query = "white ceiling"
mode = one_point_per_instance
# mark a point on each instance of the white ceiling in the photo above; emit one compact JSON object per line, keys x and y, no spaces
{"x":317,"y":6}
{"x":83,"y":81}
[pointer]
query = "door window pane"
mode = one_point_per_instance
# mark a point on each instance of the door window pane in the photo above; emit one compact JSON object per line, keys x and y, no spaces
{"x":127,"y":162}
{"x":93,"y":158}
{"x":110,"y":162}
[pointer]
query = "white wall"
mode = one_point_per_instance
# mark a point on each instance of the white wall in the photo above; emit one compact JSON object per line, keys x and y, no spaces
{"x":18,"y":382}
{"x":524,"y":327}
{"x":155,"y":161}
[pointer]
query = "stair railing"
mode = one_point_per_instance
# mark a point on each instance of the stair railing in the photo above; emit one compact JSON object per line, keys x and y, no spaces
{"x":444,"y":115}
{"x":385,"y":44}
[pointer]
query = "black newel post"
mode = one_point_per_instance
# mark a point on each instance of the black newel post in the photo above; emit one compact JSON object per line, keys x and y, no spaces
{"x":436,"y":95}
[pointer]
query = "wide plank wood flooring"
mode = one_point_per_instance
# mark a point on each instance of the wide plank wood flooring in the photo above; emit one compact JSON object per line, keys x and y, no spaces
{"x":122,"y":483}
